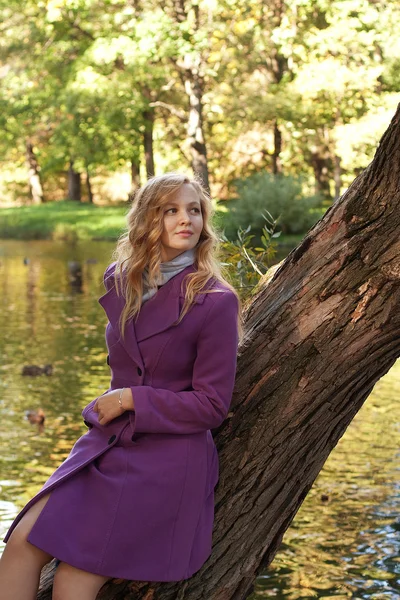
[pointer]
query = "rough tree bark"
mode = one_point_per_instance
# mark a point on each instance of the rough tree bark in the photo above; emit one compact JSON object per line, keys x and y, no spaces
{"x":319,"y":334}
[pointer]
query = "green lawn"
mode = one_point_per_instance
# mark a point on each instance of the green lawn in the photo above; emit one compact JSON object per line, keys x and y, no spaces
{"x":71,"y":221}
{"x":64,"y":220}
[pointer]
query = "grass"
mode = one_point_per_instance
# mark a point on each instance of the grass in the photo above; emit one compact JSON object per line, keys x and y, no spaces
{"x":71,"y":221}
{"x":65,"y":220}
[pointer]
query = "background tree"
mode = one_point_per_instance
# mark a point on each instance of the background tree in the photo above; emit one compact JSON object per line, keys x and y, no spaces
{"x":226,"y":88}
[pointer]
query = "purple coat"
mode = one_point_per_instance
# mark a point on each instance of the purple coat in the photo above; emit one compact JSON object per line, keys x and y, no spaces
{"x":135,"y":498}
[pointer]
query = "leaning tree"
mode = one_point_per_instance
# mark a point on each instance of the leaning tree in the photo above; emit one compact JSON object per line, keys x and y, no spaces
{"x":318,"y":335}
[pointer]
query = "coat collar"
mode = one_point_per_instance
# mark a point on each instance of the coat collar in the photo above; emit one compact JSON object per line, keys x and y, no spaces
{"x":156,"y":315}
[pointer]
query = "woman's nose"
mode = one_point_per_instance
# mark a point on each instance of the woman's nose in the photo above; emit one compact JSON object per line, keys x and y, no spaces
{"x":185,"y":218}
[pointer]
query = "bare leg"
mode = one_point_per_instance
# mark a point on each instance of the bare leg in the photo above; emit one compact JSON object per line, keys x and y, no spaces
{"x":71,"y":583}
{"x":22,"y":562}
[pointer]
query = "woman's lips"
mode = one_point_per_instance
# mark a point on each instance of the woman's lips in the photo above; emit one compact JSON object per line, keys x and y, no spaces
{"x":185,"y":234}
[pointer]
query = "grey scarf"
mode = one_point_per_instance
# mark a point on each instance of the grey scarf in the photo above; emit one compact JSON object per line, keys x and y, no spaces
{"x":168,"y":270}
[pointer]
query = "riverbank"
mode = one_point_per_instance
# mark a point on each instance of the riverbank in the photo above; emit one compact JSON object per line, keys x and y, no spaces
{"x":71,"y":221}
{"x":66,"y":220}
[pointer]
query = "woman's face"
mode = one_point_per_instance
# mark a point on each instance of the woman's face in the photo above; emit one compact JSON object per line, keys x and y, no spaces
{"x":182,"y":213}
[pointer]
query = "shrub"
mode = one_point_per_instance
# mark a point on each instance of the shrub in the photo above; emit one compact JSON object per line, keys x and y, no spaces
{"x":281,"y":195}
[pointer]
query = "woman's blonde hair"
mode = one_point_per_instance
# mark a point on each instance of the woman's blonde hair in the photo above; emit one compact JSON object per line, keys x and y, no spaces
{"x":140,"y":247}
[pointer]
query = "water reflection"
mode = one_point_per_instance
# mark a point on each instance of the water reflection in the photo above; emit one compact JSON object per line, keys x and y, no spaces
{"x":46,"y":319}
{"x":344,"y":541}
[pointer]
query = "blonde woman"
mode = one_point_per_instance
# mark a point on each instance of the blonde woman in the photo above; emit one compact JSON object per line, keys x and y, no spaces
{"x":135,"y":497}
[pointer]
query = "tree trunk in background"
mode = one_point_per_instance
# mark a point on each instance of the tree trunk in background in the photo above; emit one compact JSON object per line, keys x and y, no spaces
{"x":277,"y":64}
{"x":35,"y":185}
{"x":191,"y":74}
{"x":319,"y":335}
{"x":195,"y":127}
{"x":276,"y":158}
{"x":337,"y":175}
{"x":74,"y":183}
{"x":321,"y":163}
{"x":148,"y":117}
{"x":89,"y":186}
{"x":135,"y":172}
{"x":135,"y":177}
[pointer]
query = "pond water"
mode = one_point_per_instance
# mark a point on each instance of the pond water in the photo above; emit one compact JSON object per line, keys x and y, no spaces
{"x":344,"y":541}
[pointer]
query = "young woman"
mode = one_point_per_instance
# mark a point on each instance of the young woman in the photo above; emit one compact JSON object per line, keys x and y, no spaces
{"x":135,"y":497}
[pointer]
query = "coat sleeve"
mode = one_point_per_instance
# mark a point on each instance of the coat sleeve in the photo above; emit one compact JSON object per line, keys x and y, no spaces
{"x":207,"y":404}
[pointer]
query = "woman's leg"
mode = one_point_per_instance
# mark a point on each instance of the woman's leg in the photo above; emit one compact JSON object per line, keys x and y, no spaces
{"x":71,"y":583}
{"x":22,"y":562}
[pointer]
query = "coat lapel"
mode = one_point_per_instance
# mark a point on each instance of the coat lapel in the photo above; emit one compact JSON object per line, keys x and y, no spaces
{"x":156,"y":315}
{"x":162,"y":310}
{"x":113,"y":306}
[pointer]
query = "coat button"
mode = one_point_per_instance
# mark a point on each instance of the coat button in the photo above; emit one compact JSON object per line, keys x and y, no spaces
{"x":112,"y":438}
{"x":108,"y":359}
{"x":88,"y":424}
{"x":139,"y":370}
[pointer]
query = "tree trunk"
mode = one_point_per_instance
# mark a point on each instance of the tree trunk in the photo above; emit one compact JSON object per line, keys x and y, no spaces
{"x":321,"y":163}
{"x":135,"y":177}
{"x":135,"y":172}
{"x":89,"y":186}
{"x":337,"y":176}
{"x":35,"y":185}
{"x":276,"y":157}
{"x":195,"y":130}
{"x":148,"y":117}
{"x":74,"y":183}
{"x":277,"y":65}
{"x":190,"y":69}
{"x":319,"y":335}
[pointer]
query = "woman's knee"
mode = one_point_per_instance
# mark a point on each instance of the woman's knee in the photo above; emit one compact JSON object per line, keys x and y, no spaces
{"x":70,"y":583}
{"x":18,"y":538}
{"x":24,"y":526}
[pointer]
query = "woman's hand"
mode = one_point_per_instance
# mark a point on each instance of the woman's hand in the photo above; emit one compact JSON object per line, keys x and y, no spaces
{"x":108,"y":407}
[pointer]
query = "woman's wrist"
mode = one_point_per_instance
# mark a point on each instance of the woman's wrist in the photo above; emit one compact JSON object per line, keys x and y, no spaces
{"x":127,"y":399}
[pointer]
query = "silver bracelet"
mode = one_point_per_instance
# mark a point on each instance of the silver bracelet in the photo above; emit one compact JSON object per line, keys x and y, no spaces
{"x":119,"y":399}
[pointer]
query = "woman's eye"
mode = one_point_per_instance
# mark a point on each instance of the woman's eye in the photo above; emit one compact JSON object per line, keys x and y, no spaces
{"x":194,"y":208}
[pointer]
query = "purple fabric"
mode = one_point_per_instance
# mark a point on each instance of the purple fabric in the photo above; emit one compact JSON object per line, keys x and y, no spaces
{"x":135,"y":498}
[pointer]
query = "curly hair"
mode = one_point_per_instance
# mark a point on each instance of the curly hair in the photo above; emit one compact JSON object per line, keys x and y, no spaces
{"x":140,"y":246}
